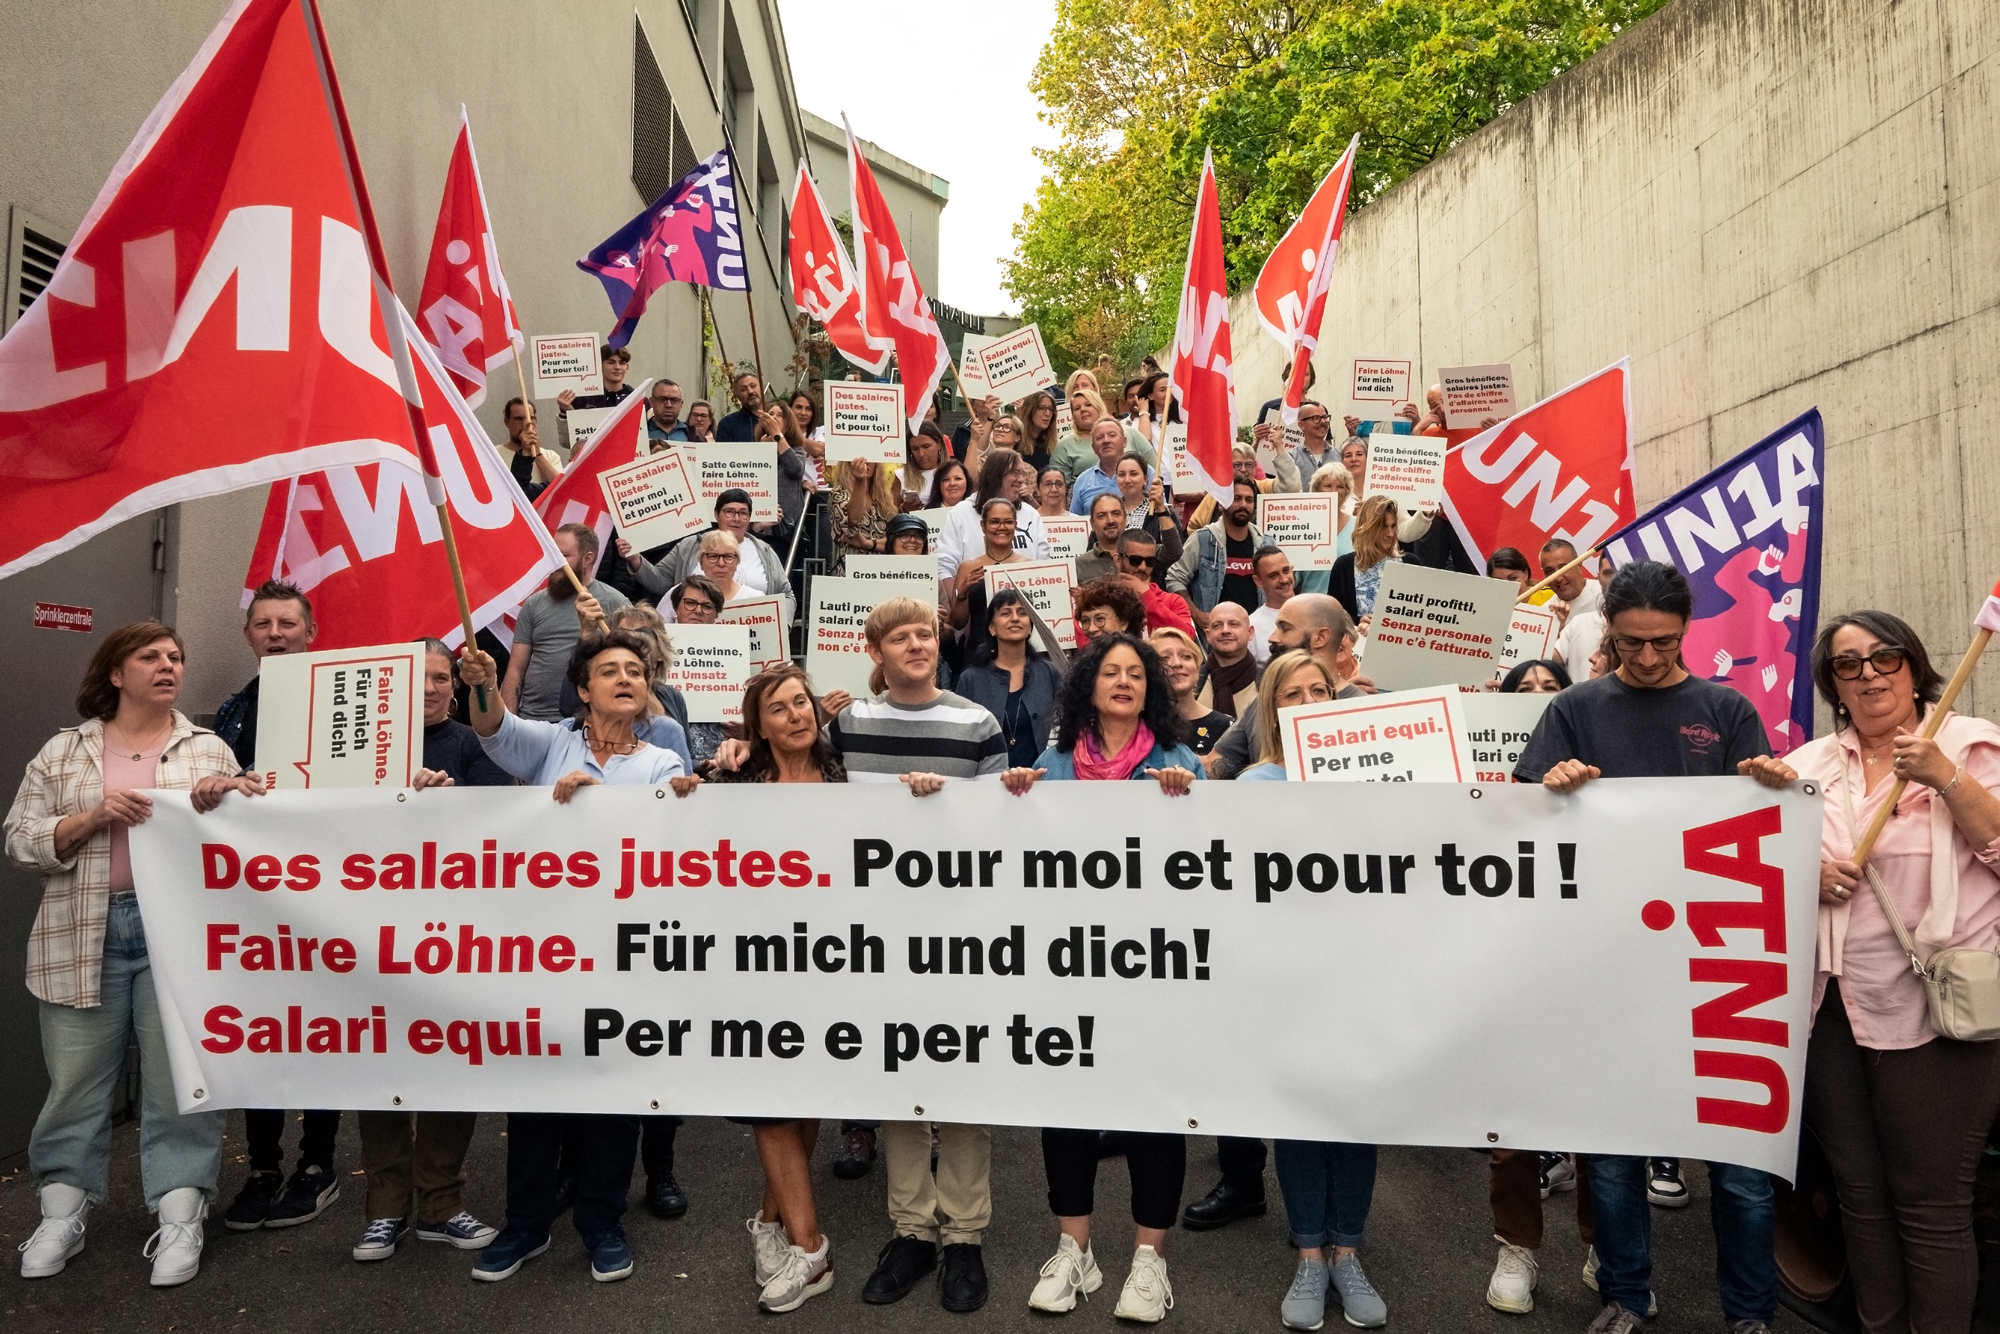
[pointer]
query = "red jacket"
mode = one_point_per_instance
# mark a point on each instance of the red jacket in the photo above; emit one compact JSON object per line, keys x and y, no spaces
{"x":1164,"y":609}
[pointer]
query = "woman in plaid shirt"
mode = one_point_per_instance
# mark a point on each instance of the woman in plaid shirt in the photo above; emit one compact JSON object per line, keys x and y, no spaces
{"x":87,"y":961}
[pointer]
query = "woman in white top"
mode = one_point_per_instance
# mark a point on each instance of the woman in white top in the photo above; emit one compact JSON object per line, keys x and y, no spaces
{"x":962,"y":539}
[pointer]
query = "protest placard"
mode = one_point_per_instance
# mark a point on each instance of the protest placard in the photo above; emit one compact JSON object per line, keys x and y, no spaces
{"x":915,"y":576}
{"x":1496,"y":731}
{"x":1303,"y":526}
{"x":751,"y":467}
{"x":1437,"y":627}
{"x":1173,"y":458}
{"x":1381,"y":380}
{"x":1016,"y":364}
{"x":582,"y":424}
{"x":766,"y":619}
{"x":836,"y":649}
{"x":933,"y":520}
{"x":1068,"y":534}
{"x":1474,"y":395}
{"x":342,"y":718}
{"x":653,"y":499}
{"x":1411,"y":736}
{"x":1065,"y":423}
{"x":864,"y":421}
{"x":1046,"y":585}
{"x":1408,"y":467}
{"x":710,"y":665}
{"x":566,"y":361}
{"x":972,"y":375}
{"x":1531,"y":633}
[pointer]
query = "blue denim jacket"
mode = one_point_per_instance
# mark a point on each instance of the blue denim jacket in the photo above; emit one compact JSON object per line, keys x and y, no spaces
{"x":1198,"y":573}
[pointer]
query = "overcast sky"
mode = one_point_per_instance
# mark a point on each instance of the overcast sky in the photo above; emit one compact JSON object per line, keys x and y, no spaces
{"x":915,"y":76}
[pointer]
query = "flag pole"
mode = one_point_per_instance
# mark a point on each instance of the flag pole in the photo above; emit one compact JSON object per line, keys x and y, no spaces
{"x":1556,"y":574}
{"x":720,"y":350}
{"x":756,"y":348}
{"x":1938,"y":711}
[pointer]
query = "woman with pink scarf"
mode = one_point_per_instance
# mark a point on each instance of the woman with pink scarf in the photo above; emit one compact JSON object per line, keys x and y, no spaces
{"x":1115,"y":719}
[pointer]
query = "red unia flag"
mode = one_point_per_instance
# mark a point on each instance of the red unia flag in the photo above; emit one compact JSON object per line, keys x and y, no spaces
{"x":823,"y":282}
{"x":467,"y":313}
{"x":1204,"y":373}
{"x":215,"y":324}
{"x":1562,"y":468}
{"x":365,"y":541}
{"x":1291,"y":287}
{"x":576,"y":496}
{"x":895,"y":314}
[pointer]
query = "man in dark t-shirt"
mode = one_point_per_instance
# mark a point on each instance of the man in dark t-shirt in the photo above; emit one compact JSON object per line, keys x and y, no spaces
{"x":1652,"y":719}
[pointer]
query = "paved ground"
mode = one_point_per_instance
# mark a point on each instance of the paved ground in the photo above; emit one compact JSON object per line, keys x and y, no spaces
{"x":1429,"y":1253}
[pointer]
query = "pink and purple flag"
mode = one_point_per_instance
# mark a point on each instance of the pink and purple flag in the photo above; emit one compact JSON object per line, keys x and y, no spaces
{"x":690,"y":234}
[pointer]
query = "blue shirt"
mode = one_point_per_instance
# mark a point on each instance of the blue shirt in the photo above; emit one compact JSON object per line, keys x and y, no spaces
{"x":539,"y":753}
{"x":1262,"y":773}
{"x":1092,"y":483}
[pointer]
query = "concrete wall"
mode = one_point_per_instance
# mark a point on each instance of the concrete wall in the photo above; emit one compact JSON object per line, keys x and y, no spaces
{"x":916,"y":197}
{"x":1769,"y":207}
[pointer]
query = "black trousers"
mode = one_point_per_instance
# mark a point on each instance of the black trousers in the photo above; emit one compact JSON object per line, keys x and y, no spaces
{"x":1242,"y":1163}
{"x":597,"y":1148}
{"x":265,"y":1129}
{"x":656,"y":1145}
{"x":1157,"y":1163}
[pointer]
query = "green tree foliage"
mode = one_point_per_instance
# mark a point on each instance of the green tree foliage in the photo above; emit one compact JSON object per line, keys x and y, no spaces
{"x":1139,"y":88}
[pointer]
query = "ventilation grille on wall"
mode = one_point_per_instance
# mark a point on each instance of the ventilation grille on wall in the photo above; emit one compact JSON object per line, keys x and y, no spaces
{"x":33,"y":247}
{"x":661,"y":153}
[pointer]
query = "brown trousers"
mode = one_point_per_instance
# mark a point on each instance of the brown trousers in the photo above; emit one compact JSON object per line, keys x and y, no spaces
{"x":952,"y":1205}
{"x":415,"y":1163}
{"x":1515,"y":1189}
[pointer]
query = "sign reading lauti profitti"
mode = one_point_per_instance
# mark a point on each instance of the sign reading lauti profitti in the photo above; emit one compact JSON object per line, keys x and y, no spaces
{"x":1437,"y":627}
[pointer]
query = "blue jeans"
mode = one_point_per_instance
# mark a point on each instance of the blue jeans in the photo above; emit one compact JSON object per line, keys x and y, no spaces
{"x":1739,"y":1206}
{"x":85,"y":1050}
{"x":1328,"y":1188}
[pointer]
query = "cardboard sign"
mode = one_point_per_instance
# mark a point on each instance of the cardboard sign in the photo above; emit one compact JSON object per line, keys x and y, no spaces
{"x":1436,"y":627}
{"x":766,"y":619}
{"x":711,"y":664}
{"x":836,"y":647}
{"x":913,"y":576}
{"x":1305,"y":526}
{"x":751,"y":467}
{"x":864,"y":421}
{"x":583,"y":424}
{"x":1476,"y":394}
{"x":342,"y":718}
{"x":1408,"y":467}
{"x":1496,"y":731}
{"x":971,"y":375}
{"x":1531,"y":633}
{"x":566,"y":361}
{"x":1016,"y":364}
{"x":1047,"y":585}
{"x":1069,"y":535}
{"x":1409,"y":737}
{"x":653,"y":499}
{"x":1379,"y":380}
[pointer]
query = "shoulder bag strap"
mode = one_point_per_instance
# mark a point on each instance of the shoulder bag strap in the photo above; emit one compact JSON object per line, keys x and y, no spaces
{"x":1875,"y":883}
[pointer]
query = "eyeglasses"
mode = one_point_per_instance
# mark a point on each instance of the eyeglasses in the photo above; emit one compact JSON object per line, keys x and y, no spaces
{"x":723,"y":557}
{"x":1887,"y":661}
{"x":1665,"y":644}
{"x":1317,"y":418}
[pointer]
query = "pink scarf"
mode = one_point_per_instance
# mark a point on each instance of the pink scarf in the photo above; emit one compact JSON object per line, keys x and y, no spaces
{"x":1091,"y":764}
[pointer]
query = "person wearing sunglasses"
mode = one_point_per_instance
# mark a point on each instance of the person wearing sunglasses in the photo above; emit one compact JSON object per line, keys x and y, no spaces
{"x":1651,"y":718}
{"x":1137,"y":555}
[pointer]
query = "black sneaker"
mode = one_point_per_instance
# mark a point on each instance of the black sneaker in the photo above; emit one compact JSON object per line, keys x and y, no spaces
{"x":857,"y":1156}
{"x":1664,"y":1186}
{"x":665,"y":1197}
{"x":961,"y":1278}
{"x":252,"y":1207}
{"x":307,"y":1195}
{"x":902,"y":1262}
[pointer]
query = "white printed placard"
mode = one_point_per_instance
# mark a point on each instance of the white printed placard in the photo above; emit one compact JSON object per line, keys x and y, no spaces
{"x":1065,"y":423}
{"x":653,"y":499}
{"x":711,"y":664}
{"x":1046,"y":585}
{"x":972,"y":375}
{"x":341,"y":718}
{"x":1381,"y":380}
{"x":1305,"y":526}
{"x":1069,"y":534}
{"x":1016,"y":364}
{"x":914,"y":576}
{"x":1408,"y":737}
{"x":751,"y":467}
{"x":1474,"y":395}
{"x":1437,"y":627}
{"x":583,"y":424}
{"x":836,"y":647}
{"x":1408,"y":467}
{"x":1497,"y":728}
{"x":766,"y":619}
{"x":934,"y":520}
{"x":1531,"y":633}
{"x":1173,"y":458}
{"x":566,"y":361}
{"x":864,"y":421}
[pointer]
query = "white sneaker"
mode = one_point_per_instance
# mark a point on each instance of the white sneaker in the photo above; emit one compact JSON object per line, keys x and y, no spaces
{"x":771,"y":1246}
{"x":1512,"y":1287}
{"x":1590,"y":1281}
{"x":1147,"y":1296}
{"x":1070,"y":1271}
{"x":175,"y":1249}
{"x":60,"y":1236}
{"x":801,"y":1276}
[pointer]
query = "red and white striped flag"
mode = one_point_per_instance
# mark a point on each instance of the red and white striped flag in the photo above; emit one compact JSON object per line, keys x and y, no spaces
{"x":467,"y":313}
{"x":1291,"y":287}
{"x":1204,"y":371}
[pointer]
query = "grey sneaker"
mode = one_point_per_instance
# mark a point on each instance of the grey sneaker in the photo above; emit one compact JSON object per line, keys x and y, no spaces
{"x":1590,"y":1281}
{"x":1615,"y":1319}
{"x":1305,"y":1304}
{"x":1359,"y":1302}
{"x":1748,"y":1327}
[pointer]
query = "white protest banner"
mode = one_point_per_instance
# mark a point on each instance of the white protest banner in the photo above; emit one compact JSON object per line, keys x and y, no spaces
{"x":1016,"y":364}
{"x":1411,"y":736}
{"x":565,"y":361}
{"x":1437,"y":627}
{"x":751,"y":467}
{"x":914,"y":576}
{"x":1046,"y":585}
{"x":836,"y":650}
{"x":971,"y":375}
{"x":583,"y":424}
{"x":1531,"y":633}
{"x":1304,"y":526}
{"x":1408,"y":467}
{"x":710,"y":665}
{"x":491,"y":950}
{"x":766,"y":619}
{"x":342,"y":718}
{"x":653,"y":500}
{"x":864,"y":421}
{"x":1069,"y":534}
{"x":1476,"y":394}
{"x":1496,"y":731}
{"x":1381,"y":380}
